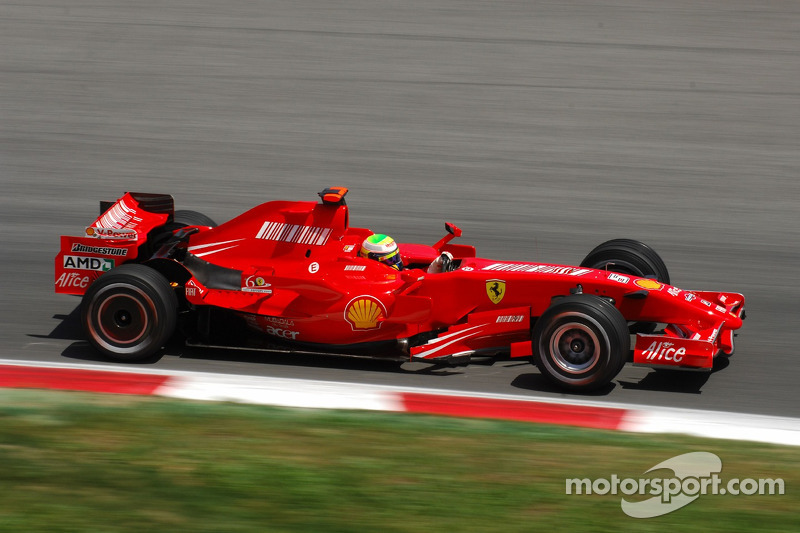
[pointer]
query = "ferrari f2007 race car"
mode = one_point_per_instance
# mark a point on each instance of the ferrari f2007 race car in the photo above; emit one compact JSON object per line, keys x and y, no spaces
{"x":294,"y":276}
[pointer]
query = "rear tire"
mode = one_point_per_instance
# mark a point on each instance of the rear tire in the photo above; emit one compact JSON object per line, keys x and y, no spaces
{"x":180,"y":219}
{"x":129,"y":313}
{"x":581,"y":342}
{"x":192,"y":218}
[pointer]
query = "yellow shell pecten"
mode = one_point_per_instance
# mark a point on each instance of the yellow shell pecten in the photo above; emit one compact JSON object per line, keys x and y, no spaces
{"x":364,"y":313}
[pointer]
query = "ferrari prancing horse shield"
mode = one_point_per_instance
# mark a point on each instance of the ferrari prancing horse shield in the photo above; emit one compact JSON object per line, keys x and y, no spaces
{"x":495,"y":289}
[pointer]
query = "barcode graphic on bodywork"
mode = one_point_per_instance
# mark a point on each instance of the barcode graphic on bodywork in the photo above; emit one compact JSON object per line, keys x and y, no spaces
{"x":279,"y":231}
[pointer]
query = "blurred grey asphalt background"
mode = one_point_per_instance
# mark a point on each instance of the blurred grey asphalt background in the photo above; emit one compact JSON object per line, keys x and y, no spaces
{"x":541,"y":128}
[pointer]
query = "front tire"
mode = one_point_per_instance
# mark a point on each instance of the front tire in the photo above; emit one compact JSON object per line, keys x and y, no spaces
{"x":627,"y":256}
{"x":581,"y":342}
{"x":129,"y":313}
{"x":634,"y":258}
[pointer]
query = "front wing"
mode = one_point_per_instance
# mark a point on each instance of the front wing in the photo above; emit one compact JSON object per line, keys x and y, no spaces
{"x":694,"y":347}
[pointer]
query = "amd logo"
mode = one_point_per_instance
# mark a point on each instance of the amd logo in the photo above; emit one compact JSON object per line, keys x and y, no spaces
{"x":79,"y":262}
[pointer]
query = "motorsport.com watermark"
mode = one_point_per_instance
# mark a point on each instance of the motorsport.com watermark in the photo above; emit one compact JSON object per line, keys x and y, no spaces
{"x":695,"y":474}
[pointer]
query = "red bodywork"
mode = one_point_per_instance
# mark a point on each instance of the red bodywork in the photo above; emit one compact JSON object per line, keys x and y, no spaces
{"x":292,"y":270}
{"x":114,"y":238}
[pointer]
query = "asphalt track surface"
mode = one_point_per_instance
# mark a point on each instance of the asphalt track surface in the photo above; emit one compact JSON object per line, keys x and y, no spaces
{"x":541,"y":128}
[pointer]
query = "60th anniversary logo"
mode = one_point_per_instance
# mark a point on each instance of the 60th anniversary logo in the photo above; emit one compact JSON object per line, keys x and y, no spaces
{"x":695,"y":474}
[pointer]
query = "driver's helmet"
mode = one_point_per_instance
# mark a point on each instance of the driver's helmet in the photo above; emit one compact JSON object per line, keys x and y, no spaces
{"x":382,"y":248}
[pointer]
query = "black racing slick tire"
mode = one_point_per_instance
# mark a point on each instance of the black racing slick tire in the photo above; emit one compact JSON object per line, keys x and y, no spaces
{"x":192,"y":218}
{"x":581,"y":342}
{"x":180,"y":219}
{"x":627,"y":256}
{"x":129,"y":313}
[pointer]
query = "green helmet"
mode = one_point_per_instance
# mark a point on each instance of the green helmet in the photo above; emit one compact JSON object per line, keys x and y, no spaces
{"x":382,"y":248}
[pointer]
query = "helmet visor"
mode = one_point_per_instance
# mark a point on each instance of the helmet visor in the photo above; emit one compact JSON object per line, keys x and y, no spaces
{"x":391,"y":259}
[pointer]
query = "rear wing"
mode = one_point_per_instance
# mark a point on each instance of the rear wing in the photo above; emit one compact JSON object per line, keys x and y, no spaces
{"x":114,"y":238}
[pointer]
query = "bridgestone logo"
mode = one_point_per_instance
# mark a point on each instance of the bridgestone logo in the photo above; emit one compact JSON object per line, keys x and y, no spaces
{"x":118,"y":252}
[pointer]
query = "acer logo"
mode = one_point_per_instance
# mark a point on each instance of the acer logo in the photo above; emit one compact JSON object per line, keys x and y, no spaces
{"x":283,"y":333}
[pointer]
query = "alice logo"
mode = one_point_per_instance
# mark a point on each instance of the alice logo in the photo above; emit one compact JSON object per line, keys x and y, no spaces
{"x":365,"y":312}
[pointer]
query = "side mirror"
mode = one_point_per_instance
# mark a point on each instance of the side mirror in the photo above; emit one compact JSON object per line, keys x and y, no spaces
{"x":452,"y":229}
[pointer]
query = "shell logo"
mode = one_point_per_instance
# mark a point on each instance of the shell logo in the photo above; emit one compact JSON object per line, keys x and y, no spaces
{"x":649,"y":284}
{"x":364,"y":313}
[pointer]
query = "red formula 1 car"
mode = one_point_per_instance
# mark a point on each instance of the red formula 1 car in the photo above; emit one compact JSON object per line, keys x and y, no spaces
{"x":289,"y":276}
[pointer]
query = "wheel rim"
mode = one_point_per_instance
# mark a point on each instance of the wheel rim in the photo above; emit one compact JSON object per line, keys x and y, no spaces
{"x":575,"y":348}
{"x":122,"y":319}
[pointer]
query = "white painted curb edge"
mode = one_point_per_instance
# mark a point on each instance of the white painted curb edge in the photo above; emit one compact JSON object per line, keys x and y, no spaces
{"x":288,"y":392}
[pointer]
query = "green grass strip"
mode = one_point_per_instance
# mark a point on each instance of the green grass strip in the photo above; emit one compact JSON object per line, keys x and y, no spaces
{"x":76,"y":462}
